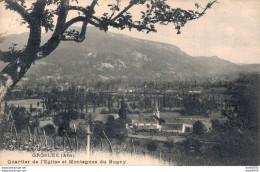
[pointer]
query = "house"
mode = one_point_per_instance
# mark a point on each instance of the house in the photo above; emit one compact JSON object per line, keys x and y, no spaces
{"x":177,"y":128}
{"x":104,"y":117}
{"x":45,"y":121}
{"x":196,"y":93}
{"x":147,"y":122}
{"x":77,"y":123}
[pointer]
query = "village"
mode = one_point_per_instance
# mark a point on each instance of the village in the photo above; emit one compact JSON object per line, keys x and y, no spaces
{"x":150,"y":114}
{"x":169,"y":122}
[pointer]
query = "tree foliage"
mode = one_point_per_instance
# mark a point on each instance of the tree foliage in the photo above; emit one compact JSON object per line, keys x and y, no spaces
{"x":115,"y":128}
{"x":62,"y":121}
{"x":49,"y":129}
{"x":41,"y":14}
{"x":20,"y":116}
{"x":238,"y":135}
{"x":198,"y":127}
{"x":98,"y":134}
{"x":122,"y":110}
{"x":245,"y":97}
{"x":152,"y":145}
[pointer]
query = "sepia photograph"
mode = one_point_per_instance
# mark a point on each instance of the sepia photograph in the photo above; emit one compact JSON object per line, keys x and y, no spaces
{"x":129,"y":83}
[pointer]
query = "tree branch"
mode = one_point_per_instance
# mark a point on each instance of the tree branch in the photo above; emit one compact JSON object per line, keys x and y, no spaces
{"x":7,"y":56}
{"x":78,"y":8}
{"x":62,"y":26}
{"x":89,"y":14}
{"x":74,"y":20}
{"x":54,"y":41}
{"x":81,"y":36}
{"x":38,"y":9}
{"x":208,"y":6}
{"x":13,"y":5}
{"x":34,"y":40}
{"x":131,"y":4}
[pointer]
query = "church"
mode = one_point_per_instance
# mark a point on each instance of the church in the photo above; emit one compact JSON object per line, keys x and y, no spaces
{"x":148,"y":122}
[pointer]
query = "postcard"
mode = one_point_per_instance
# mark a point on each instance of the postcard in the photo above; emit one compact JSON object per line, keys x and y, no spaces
{"x":129,"y":83}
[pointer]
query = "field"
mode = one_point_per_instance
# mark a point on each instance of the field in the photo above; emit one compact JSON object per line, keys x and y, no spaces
{"x":25,"y":103}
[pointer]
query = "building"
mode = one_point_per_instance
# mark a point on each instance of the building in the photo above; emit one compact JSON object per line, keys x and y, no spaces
{"x":46,"y":121}
{"x":147,"y":123}
{"x":77,"y":123}
{"x":177,"y":128}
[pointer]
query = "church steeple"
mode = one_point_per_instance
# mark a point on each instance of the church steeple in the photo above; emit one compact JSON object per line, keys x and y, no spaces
{"x":156,"y":110}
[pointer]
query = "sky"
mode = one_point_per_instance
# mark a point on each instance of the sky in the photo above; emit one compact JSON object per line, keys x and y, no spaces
{"x":229,"y":30}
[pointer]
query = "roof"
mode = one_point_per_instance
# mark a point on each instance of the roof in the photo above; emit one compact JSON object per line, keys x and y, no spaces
{"x":76,"y":122}
{"x":42,"y":123}
{"x":147,"y":127}
{"x":172,"y":126}
{"x":104,"y":117}
{"x":145,"y":119}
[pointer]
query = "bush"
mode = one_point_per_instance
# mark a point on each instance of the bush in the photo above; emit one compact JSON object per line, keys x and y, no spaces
{"x":98,"y":129}
{"x":49,"y":129}
{"x":152,"y":145}
{"x":21,"y":118}
{"x":169,"y":144}
{"x":198,"y":127}
{"x":115,"y":128}
{"x":182,"y":112}
{"x":61,"y":131}
{"x":216,"y":125}
{"x":191,"y":144}
{"x":82,"y":130}
{"x":34,"y":124}
{"x":4,"y":129}
{"x":98,"y":132}
{"x":82,"y":116}
{"x":62,"y":120}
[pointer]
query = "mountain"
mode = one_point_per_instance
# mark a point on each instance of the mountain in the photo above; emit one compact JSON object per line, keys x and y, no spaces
{"x":104,"y":56}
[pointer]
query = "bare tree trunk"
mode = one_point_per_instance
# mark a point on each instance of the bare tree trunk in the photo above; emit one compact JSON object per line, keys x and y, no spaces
{"x":54,"y":141}
{"x":110,"y":145}
{"x":45,"y":139}
{"x":92,"y":146}
{"x":101,"y":144}
{"x":16,"y":136}
{"x":68,"y":139}
{"x":29,"y":132}
{"x":38,"y":137}
{"x":76,"y":138}
{"x":11,"y":128}
{"x":33,"y":140}
{"x":133,"y":145}
{"x":52,"y":144}
{"x":88,"y":140}
{"x":63,"y":143}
